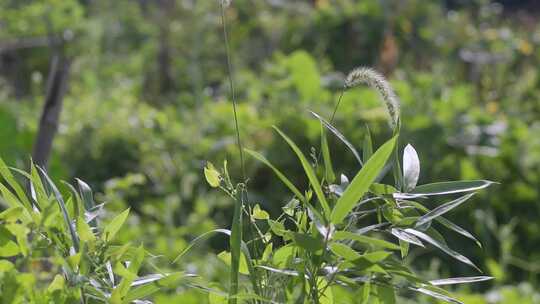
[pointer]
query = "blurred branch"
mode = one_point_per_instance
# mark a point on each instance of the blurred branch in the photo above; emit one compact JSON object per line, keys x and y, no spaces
{"x":32,"y":42}
{"x":48,"y":124}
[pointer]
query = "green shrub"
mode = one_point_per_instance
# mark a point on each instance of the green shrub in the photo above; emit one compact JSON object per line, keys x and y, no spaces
{"x":330,"y":243}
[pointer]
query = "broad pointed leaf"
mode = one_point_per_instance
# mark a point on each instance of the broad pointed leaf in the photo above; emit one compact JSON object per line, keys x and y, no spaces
{"x":362,"y":181}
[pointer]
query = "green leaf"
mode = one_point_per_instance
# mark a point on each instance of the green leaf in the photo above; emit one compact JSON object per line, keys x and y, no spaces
{"x":281,"y":257}
{"x":362,"y":181}
{"x":346,"y":235}
{"x":8,"y":247}
{"x":339,"y":136}
{"x":277,"y":228}
{"x":212,"y":175}
{"x":278,"y":173}
{"x":225,"y":256}
{"x":114,"y":226}
{"x":344,"y":251}
{"x":308,"y":242}
{"x":235,"y":243}
{"x":6,"y":266}
{"x":406,"y":237}
{"x":441,"y":246}
{"x":10,"y":179}
{"x":85,"y":232}
{"x":411,"y":168}
{"x":329,"y":171}
{"x":151,"y":286}
{"x":382,"y":189}
{"x":259,"y":214}
{"x":21,"y":233}
{"x":62,"y":205}
{"x":366,"y":289}
{"x":385,"y":294}
{"x":448,"y":224}
{"x":367,"y":147}
{"x":12,"y":214}
{"x":121,"y":290}
{"x":436,"y":295}
{"x":309,"y":172}
{"x":376,"y":256}
{"x":13,"y":202}
{"x":404,"y":248}
{"x":442,"y":209}
{"x":88,"y":199}
{"x":57,"y":283}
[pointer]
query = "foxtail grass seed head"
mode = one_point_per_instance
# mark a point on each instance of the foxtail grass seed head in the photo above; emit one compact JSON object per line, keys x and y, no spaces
{"x":375,"y":80}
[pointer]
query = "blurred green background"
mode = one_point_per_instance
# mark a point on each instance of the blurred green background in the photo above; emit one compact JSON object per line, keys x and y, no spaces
{"x":146,"y":104}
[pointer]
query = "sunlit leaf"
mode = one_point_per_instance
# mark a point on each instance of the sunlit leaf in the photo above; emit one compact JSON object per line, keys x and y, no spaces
{"x":436,"y":295}
{"x":212,"y":175}
{"x":451,"y":187}
{"x":344,"y":251}
{"x":407,"y":237}
{"x":259,"y":214}
{"x":441,"y":246}
{"x":309,"y":172}
{"x":62,"y":205}
{"x":345,"y":235}
{"x":411,"y":168}
{"x":114,"y":226}
{"x":278,"y":173}
{"x":339,"y":136}
{"x":362,"y":181}
{"x":442,"y":209}
{"x":462,"y":280}
{"x":329,"y":171}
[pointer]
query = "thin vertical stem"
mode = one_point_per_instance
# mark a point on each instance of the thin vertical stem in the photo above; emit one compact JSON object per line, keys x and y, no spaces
{"x":233,"y":93}
{"x":236,"y":230}
{"x":337,"y":105}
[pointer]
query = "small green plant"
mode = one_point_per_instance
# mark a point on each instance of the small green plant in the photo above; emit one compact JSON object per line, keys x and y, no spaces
{"x":55,"y":249}
{"x":344,"y":242}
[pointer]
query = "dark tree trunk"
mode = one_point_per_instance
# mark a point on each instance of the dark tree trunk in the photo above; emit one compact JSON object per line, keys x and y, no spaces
{"x":164,"y":60}
{"x":48,"y":124}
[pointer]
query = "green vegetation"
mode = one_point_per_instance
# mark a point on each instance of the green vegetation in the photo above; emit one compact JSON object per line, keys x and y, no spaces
{"x":324,"y":206}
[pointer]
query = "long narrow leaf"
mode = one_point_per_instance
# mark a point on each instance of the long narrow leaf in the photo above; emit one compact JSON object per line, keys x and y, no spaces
{"x":366,"y":240}
{"x":448,"y":224}
{"x":367,"y":147}
{"x":309,"y":172}
{"x":235,"y":242}
{"x":436,"y":295}
{"x":442,"y":246}
{"x":62,"y":205}
{"x":10,"y":179}
{"x":451,"y":187}
{"x":328,"y":170}
{"x":442,"y":209}
{"x":462,"y":280}
{"x":362,"y":181}
{"x":339,"y":136}
{"x":407,"y":237}
{"x":278,"y":173}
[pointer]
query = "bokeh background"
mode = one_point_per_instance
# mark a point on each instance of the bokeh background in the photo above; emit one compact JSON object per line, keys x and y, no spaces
{"x":141,"y":95}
